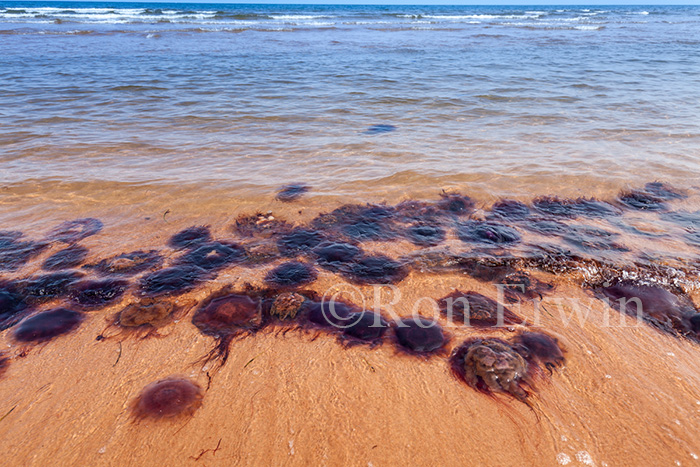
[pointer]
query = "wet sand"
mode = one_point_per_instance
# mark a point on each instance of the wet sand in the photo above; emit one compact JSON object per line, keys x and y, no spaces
{"x":296,"y":400}
{"x":301,"y":397}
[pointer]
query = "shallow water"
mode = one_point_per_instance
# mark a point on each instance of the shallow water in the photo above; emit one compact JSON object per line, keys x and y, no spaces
{"x":199,"y":100}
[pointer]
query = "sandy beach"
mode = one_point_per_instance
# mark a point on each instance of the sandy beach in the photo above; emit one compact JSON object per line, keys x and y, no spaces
{"x":297,"y":396}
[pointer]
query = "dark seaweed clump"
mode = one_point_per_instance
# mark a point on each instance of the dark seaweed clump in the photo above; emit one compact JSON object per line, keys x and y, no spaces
{"x":419,"y":335}
{"x":291,"y":193}
{"x":46,"y":325}
{"x":128,"y":264}
{"x":215,"y":255}
{"x":291,"y":274}
{"x":94,"y":294}
{"x":377,"y":269}
{"x":190,"y":237}
{"x":473,"y":309}
{"x":50,"y":286}
{"x":12,"y":304}
{"x":174,"y":280}
{"x":67,"y":258}
{"x":487,"y":232}
{"x":76,"y":230}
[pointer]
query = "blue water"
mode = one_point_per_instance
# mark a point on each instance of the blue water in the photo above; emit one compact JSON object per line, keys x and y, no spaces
{"x":507,"y":101}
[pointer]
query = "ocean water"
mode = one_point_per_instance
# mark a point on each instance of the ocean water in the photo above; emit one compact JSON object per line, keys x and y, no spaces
{"x":131,"y":111}
{"x":512,"y":100}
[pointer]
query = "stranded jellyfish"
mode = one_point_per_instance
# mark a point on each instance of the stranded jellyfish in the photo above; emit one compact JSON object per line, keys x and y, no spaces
{"x":174,"y":280}
{"x":299,"y":241}
{"x":330,"y":313}
{"x":76,"y":230}
{"x":455,"y":204}
{"x":94,"y":294}
{"x":377,"y":269}
{"x":365,"y":327}
{"x":474,"y":309}
{"x":287,"y":305}
{"x":190,"y":237}
{"x":291,"y":193}
{"x":653,"y":303}
{"x":509,"y":209}
{"x":426,"y":235}
{"x":12,"y":304}
{"x":541,"y":348}
{"x":491,"y":365}
{"x":8,"y":237}
{"x":259,"y":225}
{"x":642,"y":201}
{"x":419,"y":335}
{"x":332,"y":255}
{"x":572,"y":208}
{"x":487,"y":232}
{"x":359,"y":223}
{"x":147,"y":311}
{"x":226,"y":315}
{"x":419,"y":211}
{"x":695,"y":323}
{"x":168,"y":398}
{"x":214,"y":255}
{"x":588,"y":238}
{"x":519,"y":285}
{"x":15,"y":254}
{"x":46,"y":325}
{"x":67,"y":258}
{"x":127,"y":264}
{"x":663,"y":191}
{"x":547,"y":227}
{"x":50,"y":286}
{"x":379,"y":129}
{"x":291,"y":274}
{"x":487,"y":268}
